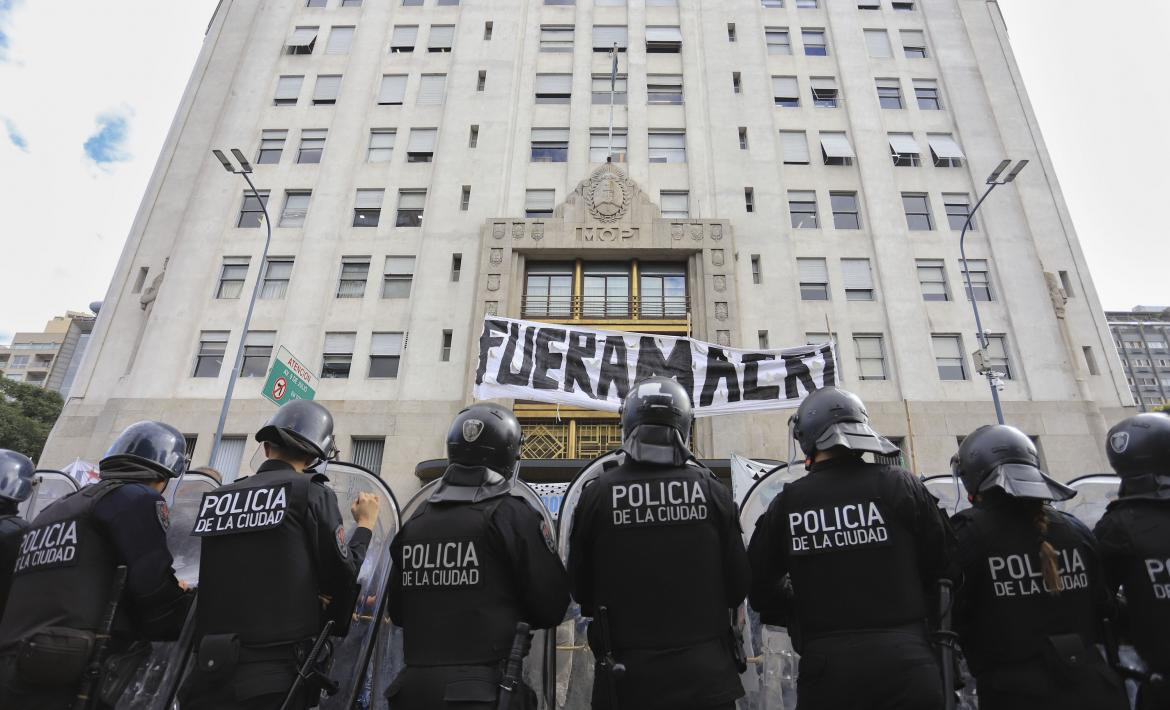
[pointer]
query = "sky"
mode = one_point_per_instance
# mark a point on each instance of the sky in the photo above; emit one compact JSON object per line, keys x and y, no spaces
{"x":86,"y":104}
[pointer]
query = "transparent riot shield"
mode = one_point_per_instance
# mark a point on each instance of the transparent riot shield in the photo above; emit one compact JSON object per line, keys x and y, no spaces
{"x":1094,"y":494}
{"x":50,"y":487}
{"x":952,"y":496}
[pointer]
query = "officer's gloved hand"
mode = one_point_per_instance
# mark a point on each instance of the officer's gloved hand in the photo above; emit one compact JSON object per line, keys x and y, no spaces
{"x":365,"y":510}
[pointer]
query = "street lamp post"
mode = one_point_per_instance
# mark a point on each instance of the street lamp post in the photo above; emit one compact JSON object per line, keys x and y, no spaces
{"x":244,"y":170}
{"x":982,"y":361}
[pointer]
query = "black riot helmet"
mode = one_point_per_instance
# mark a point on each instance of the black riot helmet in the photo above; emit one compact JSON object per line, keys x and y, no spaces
{"x":830,"y":417}
{"x":656,"y":422}
{"x":146,"y":451}
{"x":485,"y":434}
{"x":303,"y":426}
{"x":1003,"y":457}
{"x":17,"y":474}
{"x":1139,"y":451}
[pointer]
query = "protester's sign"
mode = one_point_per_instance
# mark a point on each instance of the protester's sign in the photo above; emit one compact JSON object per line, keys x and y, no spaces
{"x":595,"y":369}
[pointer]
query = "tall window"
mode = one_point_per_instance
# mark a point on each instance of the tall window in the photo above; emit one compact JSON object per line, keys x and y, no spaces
{"x":442,"y":36}
{"x":889,"y":93}
{"x":432,"y":89}
{"x":351,"y":281}
{"x":948,"y":356}
{"x":367,"y":453}
{"x":271,"y":146}
{"x":606,"y":36}
{"x":337,"y":355}
{"x":445,"y":348}
{"x":871,"y":356}
{"x":958,"y":206}
{"x":606,"y":290}
{"x":599,"y":145}
{"x":778,"y":40}
{"x":550,"y":145}
{"x":932,"y":277}
{"x":664,"y":89}
{"x":326,"y":89}
{"x":288,"y":90}
{"x":252,"y":210}
{"x":367,"y":208}
{"x":914,"y":44}
{"x":548,"y":290}
{"x":926,"y":91}
{"x":944,"y":149}
{"x":556,"y":38}
{"x":393,"y":90}
{"x":209,"y":356}
{"x":824,"y":92}
{"x":785,"y":92}
{"x":836,"y":149}
{"x":675,"y":204}
{"x":814,"y":279}
{"x":403,"y":38}
{"x":231,"y":277}
{"x":421,"y":146}
{"x":878,"y":44}
{"x":997,"y":355}
{"x":802,"y":206}
{"x":257,"y":352}
{"x":554,"y":88}
{"x":846,"y":214}
{"x":410,"y":208}
{"x":663,"y":39}
{"x":385,"y":354}
{"x":397,"y":276}
{"x":667,"y":146}
{"x":980,"y":279}
{"x":381,"y":145}
{"x":312,"y":145}
{"x":277,"y":272}
{"x":794,"y":145}
{"x":815,"y":44}
{"x":904,"y":150}
{"x":858,"y":279}
{"x":296,"y":207}
{"x":917,"y":207}
{"x":539,"y":203}
{"x":662,"y":290}
{"x":340,"y":39}
{"x":601,"y":91}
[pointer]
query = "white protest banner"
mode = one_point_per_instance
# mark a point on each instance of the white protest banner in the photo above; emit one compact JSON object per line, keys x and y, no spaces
{"x":594,"y":369}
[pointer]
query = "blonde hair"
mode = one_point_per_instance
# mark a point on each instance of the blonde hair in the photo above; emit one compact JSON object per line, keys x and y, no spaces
{"x":1048,"y":555}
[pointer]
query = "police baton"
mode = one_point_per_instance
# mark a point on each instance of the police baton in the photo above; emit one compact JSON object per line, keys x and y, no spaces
{"x":514,"y":668}
{"x":306,"y":670}
{"x":607,"y":664}
{"x":945,"y":637}
{"x":93,"y":669}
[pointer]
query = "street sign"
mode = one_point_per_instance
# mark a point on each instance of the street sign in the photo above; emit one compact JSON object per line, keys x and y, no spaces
{"x":288,"y":379}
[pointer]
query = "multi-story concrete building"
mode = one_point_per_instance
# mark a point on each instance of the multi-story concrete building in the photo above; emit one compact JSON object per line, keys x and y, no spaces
{"x":1141,"y":336}
{"x":50,"y":358}
{"x":784,"y":170}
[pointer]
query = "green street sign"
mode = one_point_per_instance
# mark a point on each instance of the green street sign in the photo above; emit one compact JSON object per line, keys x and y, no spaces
{"x":288,"y":379}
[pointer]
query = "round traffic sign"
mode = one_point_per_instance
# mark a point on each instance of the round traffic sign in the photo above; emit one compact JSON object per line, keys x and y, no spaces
{"x":279,"y":387}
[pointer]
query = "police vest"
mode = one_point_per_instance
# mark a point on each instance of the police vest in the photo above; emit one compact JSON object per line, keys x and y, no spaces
{"x":852,"y":553}
{"x":659,"y":556}
{"x":12,"y":528}
{"x":1012,"y":609}
{"x":257,"y":576}
{"x":460,"y":602}
{"x":1146,"y":576}
{"x":64,"y":569}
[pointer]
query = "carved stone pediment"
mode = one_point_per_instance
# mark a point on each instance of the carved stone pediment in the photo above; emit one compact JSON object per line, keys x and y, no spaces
{"x":608,"y":196}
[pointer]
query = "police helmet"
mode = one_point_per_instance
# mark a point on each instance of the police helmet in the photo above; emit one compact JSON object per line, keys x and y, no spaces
{"x":301,"y":425}
{"x":1001,"y":456}
{"x":660,"y":401}
{"x":830,"y":417}
{"x":154,"y":446}
{"x":1139,"y":451}
{"x":17,"y":475}
{"x":485,"y":434}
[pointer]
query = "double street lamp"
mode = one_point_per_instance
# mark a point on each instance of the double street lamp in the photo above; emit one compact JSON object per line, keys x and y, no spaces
{"x":982,"y":359}
{"x":244,"y":170}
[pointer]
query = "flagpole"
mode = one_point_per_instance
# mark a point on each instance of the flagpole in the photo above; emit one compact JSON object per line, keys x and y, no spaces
{"x":612,"y":91}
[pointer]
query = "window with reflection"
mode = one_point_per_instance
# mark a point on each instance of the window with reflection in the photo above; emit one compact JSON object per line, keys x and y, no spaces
{"x":548,"y":291}
{"x":662,"y":290}
{"x":606,"y":290}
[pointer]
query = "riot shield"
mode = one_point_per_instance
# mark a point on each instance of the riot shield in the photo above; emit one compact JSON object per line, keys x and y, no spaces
{"x":50,"y":487}
{"x":952,"y":496}
{"x":1094,"y":493}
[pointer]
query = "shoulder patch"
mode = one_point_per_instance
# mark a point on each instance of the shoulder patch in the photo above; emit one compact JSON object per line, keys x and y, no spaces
{"x":164,"y":514}
{"x":546,"y":533}
{"x":342,"y":547}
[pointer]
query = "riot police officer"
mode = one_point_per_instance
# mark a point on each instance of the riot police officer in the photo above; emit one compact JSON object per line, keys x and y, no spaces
{"x":65,"y":573}
{"x":16,"y":483}
{"x":1033,"y":598}
{"x":1134,"y":538}
{"x":848,"y":558}
{"x":469,"y":565}
{"x":656,"y":543}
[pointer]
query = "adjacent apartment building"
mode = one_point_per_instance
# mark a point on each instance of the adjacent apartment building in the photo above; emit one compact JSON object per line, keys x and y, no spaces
{"x":783,"y":171}
{"x":48,"y":359}
{"x":1141,"y":336}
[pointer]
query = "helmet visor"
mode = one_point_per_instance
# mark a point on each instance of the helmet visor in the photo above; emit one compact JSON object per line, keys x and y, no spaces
{"x":855,"y":436}
{"x":1020,"y":480}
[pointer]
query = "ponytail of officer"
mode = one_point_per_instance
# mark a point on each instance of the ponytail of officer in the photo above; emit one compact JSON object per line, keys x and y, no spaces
{"x":1030,"y":610}
{"x":863,"y":546}
{"x":1134,"y":537}
{"x":472,"y":563}
{"x":68,"y":561}
{"x":274,"y":568}
{"x":17,"y":478}
{"x":656,"y":547}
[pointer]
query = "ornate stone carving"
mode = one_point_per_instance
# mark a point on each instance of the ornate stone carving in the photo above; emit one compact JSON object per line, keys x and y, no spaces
{"x":719,"y":281}
{"x":717,"y":257}
{"x":697,"y":231}
{"x":492,"y":307}
{"x":607,"y":194}
{"x":676,"y":231}
{"x":717,"y":231}
{"x":496,"y":257}
{"x":723,"y":337}
{"x":498,"y":230}
{"x":538,"y":231}
{"x":517,"y":230}
{"x":1056,"y":292}
{"x":721,"y":310}
{"x":493,"y":282}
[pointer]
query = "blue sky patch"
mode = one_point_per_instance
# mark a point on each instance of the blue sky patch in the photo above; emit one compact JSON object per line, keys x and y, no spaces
{"x":108,"y":144}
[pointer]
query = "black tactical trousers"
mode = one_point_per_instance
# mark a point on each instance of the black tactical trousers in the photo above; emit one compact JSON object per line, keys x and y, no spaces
{"x":1091,"y":685}
{"x":699,"y":676}
{"x":871,"y":670}
{"x":15,"y":695}
{"x":456,"y":687}
{"x":254,"y":683}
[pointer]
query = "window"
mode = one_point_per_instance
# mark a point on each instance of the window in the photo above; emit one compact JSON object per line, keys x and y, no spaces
{"x":410,"y":208}
{"x":252,"y":210}
{"x":367,"y":453}
{"x":667,"y":146}
{"x":958,"y":206}
{"x":271,"y":146}
{"x":606,"y":290}
{"x":257,"y":352}
{"x":465,"y":198}
{"x":814,"y":279}
{"x":473,"y":136}
{"x":772,"y":4}
{"x":606,"y":36}
{"x":312,"y":145}
{"x":926,"y":91}
{"x":441,"y":38}
{"x":432,"y":89}
{"x":762,"y":338}
{"x":980,"y":279}
{"x":189,"y":442}
{"x":403,"y":38}
{"x":296,"y":206}
{"x":662,"y":290}
{"x":675,"y":204}
{"x":556,"y":38}
{"x":397,"y":276}
{"x":445,"y":347}
{"x":288,"y":88}
{"x":663,"y":39}
{"x":340,"y":39}
{"x":914,"y":44}
{"x":917,"y":207}
{"x":456,"y":267}
{"x":1090,"y":360}
{"x":932,"y":277}
{"x":756,"y":274}
{"x":550,"y":145}
{"x":231,"y":276}
{"x":904,"y":150}
{"x":351,"y":281}
{"x":599,"y":145}
{"x":846,"y":215}
{"x":858,"y":279}
{"x":337,"y":355}
{"x":802,"y":205}
{"x":794,"y":145}
{"x":231,"y":452}
{"x":785,"y":92}
{"x":743,"y":138}
{"x":381,"y":145}
{"x":778,"y":40}
{"x":487,"y":30}
{"x":948,"y":356}
{"x":442,"y":3}
{"x":302,"y":40}
{"x":731,"y":36}
{"x":903,"y":6}
{"x":997,"y":357}
{"x":326,"y":89}
{"x":277,"y":272}
{"x":385,"y":354}
{"x":945,"y":150}
{"x":814,"y":43}
{"x":19,"y":361}
{"x":539,"y":203}
{"x":889,"y":93}
{"x":601,"y":90}
{"x":358,"y":3}
{"x":664,"y":89}
{"x":559,"y":2}
{"x":878,"y":44}
{"x":393,"y":90}
{"x":554,"y":88}
{"x":481,"y":82}
{"x":315,"y":3}
{"x":835,"y":149}
{"x":140,"y":279}
{"x":421,"y":146}
{"x":367,"y":208}
{"x":824,"y":92}
{"x":806,"y":4}
{"x":1065,"y":281}
{"x":869,"y":4}
{"x":209,"y":357}
{"x":871,"y":356}
{"x":749,"y":199}
{"x":548,"y":290}
{"x":736,"y":83}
